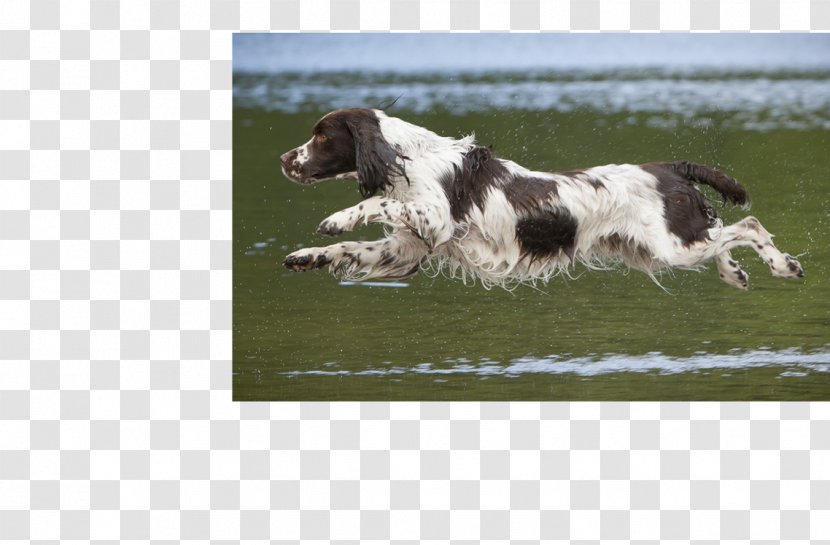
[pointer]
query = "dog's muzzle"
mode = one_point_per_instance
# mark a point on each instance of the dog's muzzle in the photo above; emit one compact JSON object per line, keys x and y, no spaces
{"x":290,"y":168}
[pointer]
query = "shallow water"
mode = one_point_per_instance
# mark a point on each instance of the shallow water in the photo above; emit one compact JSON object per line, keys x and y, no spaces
{"x":753,"y":100}
{"x":601,"y":335}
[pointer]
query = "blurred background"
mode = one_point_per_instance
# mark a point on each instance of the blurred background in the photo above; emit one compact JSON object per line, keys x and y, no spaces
{"x":754,"y":105}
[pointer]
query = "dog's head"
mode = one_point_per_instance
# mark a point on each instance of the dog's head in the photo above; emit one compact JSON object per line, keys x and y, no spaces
{"x":345,"y":144}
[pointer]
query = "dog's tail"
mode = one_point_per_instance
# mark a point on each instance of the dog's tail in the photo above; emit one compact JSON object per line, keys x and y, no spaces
{"x":727,"y":186}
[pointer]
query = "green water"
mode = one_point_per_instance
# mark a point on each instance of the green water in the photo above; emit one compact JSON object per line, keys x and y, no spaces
{"x":602,"y":336}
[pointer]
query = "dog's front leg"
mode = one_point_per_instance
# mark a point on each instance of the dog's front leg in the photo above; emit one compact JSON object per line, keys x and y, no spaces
{"x":348,"y":219}
{"x":398,"y":256}
{"x":423,"y":220}
{"x":308,"y":259}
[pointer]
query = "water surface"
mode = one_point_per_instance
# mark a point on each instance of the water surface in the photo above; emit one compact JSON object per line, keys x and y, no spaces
{"x":601,"y":335}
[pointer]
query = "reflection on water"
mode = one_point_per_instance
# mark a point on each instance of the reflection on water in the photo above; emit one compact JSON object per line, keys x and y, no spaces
{"x":753,"y":100}
{"x":368,"y":284}
{"x":789,"y":363}
{"x":603,"y":335}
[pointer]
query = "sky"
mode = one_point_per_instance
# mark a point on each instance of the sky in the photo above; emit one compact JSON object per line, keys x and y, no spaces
{"x":271,"y":53}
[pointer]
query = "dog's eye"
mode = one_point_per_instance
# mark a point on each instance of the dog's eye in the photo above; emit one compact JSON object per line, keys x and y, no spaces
{"x":322,"y":137}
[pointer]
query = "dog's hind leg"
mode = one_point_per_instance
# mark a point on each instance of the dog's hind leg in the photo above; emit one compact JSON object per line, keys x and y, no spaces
{"x":747,"y":232}
{"x":750,"y":232}
{"x":730,"y":271}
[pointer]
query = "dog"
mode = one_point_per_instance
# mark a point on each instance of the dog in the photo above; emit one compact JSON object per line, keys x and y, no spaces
{"x":452,"y":205}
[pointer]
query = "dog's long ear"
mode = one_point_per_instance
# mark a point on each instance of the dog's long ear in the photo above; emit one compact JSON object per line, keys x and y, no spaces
{"x":376,"y":160}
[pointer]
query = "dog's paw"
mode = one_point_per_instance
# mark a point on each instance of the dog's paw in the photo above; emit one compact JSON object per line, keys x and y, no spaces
{"x":786,"y":267}
{"x":306,"y":260}
{"x":329,"y":229}
{"x":737,"y":278}
{"x":338,"y":223}
{"x":794,"y":267}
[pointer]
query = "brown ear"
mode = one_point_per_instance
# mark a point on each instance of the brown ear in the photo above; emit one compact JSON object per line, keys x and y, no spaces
{"x":376,"y":160}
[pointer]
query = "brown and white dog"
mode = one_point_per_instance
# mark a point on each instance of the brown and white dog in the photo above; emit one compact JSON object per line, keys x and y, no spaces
{"x":452,"y":205}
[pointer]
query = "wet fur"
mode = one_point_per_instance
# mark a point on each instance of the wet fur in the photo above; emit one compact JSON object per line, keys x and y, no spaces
{"x":453,"y":206}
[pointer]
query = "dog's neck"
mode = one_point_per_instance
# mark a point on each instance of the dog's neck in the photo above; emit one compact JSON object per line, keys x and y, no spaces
{"x":427,"y":157}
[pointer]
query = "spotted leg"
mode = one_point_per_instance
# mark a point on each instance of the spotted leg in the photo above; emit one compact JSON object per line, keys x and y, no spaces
{"x":780,"y":264}
{"x":423,"y":220}
{"x":394,"y":257}
{"x":730,"y":271}
{"x":747,"y":232}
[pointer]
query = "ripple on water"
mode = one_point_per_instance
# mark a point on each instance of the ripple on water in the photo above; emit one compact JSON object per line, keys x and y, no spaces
{"x":757,"y":101}
{"x":798,"y":364}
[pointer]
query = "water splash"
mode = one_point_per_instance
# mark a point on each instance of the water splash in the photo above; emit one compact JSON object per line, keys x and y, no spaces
{"x":796,"y":362}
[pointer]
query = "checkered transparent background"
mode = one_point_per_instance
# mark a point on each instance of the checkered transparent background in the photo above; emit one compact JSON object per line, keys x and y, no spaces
{"x":116,"y":420}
